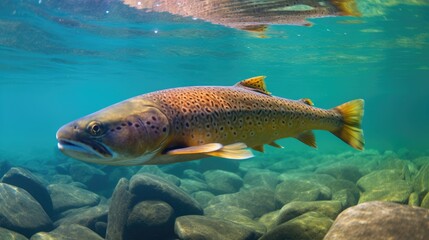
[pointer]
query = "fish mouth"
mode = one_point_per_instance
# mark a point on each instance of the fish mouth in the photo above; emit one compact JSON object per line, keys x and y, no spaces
{"x":84,"y":149}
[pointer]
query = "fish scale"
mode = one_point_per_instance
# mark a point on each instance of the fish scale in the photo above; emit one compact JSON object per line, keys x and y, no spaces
{"x":231,"y":114}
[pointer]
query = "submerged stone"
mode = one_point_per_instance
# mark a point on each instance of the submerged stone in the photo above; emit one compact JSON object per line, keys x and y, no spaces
{"x":425,"y":201}
{"x":152,"y":187}
{"x":67,"y":232}
{"x":191,"y":186}
{"x":257,"y":200}
{"x":384,"y":185}
{"x":234,"y":214}
{"x":20,"y":212}
{"x":292,"y":210}
{"x":269,"y":219}
{"x":309,"y":226}
{"x":375,"y":220}
{"x":221,"y":182}
{"x":261,"y":178}
{"x":345,"y":172}
{"x":200,"y":227}
{"x":24,"y":179}
{"x":150,"y":220}
{"x":203,"y":197}
{"x":120,"y":206}
{"x":91,"y":176}
{"x":413,"y":200}
{"x":6,"y":234}
{"x":66,"y":196}
{"x":421,"y":181}
{"x":87,"y":216}
{"x":301,"y":190}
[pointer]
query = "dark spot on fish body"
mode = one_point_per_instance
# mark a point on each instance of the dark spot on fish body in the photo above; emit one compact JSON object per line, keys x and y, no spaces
{"x":136,"y":125}
{"x":118,"y":128}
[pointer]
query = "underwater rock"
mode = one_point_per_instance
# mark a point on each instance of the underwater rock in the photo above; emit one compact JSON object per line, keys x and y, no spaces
{"x":371,"y":220}
{"x":201,"y":227}
{"x":309,"y":226}
{"x":86,"y":217}
{"x":345,"y":172}
{"x":150,"y":220}
{"x":301,"y":190}
{"x":151,"y":187}
{"x":218,"y":164}
{"x":191,"y":186}
{"x":222,"y":208}
{"x":120,"y":206}
{"x":269,"y":219}
{"x":154,"y":170}
{"x":66,"y":196}
{"x":203,"y":197}
{"x":178,"y":169}
{"x":341,"y":184}
{"x":284,"y":165}
{"x":91,"y":176}
{"x":194,"y":175}
{"x":20,"y":212}
{"x":384,"y":185}
{"x":413,"y":200}
{"x":257,"y":200}
{"x":346,"y":197}
{"x":101,"y":229}
{"x":420,"y":161}
{"x":421,"y":181}
{"x":221,"y":182}
{"x":67,"y":232}
{"x":6,"y":234}
{"x":60,"y":178}
{"x":292,"y":210}
{"x":261,"y":178}
{"x":24,"y":179}
{"x":425,"y":201}
{"x":236,"y":215}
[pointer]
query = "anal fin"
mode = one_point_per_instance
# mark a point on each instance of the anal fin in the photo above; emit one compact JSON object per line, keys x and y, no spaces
{"x":274,"y":144}
{"x":308,"y":138}
{"x":259,"y":148}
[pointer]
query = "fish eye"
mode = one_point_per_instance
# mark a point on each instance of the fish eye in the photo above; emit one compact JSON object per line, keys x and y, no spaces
{"x":95,"y":128}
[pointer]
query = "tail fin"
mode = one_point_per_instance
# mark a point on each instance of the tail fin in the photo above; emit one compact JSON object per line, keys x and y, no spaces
{"x":346,"y":7}
{"x":350,"y":132}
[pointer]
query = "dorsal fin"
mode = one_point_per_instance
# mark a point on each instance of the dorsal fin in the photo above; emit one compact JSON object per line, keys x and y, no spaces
{"x":307,"y":101}
{"x":255,"y":84}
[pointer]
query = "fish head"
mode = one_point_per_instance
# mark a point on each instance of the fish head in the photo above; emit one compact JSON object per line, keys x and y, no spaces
{"x":127,"y":133}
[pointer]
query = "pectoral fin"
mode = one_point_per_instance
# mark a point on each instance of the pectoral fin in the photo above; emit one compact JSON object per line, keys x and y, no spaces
{"x":202,"y":149}
{"x":308,"y":138}
{"x":233,"y":151}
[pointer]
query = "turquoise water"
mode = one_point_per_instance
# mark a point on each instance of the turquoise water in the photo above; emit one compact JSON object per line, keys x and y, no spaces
{"x":62,"y":60}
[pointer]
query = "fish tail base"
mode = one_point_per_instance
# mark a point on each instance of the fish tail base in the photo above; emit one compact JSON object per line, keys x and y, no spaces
{"x":350,"y":132}
{"x":346,"y":7}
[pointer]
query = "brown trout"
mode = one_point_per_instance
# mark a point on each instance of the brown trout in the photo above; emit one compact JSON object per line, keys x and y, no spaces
{"x":251,"y":15}
{"x":183,"y":124}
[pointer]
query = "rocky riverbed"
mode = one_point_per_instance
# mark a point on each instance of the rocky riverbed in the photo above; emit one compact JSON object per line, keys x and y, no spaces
{"x":368,"y":195}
